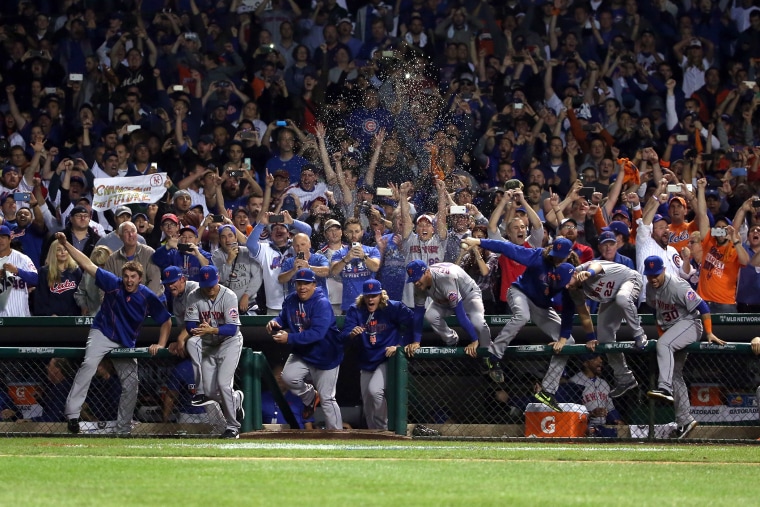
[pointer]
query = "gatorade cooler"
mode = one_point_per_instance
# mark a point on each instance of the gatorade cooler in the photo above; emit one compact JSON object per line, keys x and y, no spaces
{"x":543,"y":422}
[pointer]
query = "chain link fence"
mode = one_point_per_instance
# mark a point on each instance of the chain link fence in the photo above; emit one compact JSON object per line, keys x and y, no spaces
{"x":35,"y":382}
{"x":449,"y":395}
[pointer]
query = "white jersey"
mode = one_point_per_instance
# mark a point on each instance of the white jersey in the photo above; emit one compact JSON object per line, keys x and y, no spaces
{"x":222,"y":310}
{"x":14,"y":294}
{"x":334,"y":282}
{"x":646,"y":246}
{"x":271,"y":259}
{"x":596,"y":394}
{"x":306,"y":197}
{"x":431,"y":251}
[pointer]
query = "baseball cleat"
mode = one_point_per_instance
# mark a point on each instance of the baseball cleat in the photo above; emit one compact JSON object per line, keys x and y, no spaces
{"x":623,"y":387}
{"x":308,"y":410}
{"x":73,"y":425}
{"x":240,"y":413}
{"x":230,"y":435}
{"x":491,"y":367}
{"x":683,"y":431}
{"x":200,"y":399}
{"x":548,"y":399}
{"x":661,"y":394}
{"x":640,"y":342}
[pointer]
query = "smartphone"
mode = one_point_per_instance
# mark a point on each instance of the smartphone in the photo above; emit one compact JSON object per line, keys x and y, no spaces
{"x":519,"y":105}
{"x":248,"y":135}
{"x":185,"y":247}
{"x":356,"y":245}
{"x":749,"y":84}
{"x":586,"y":192}
{"x":76,"y":77}
{"x":518,"y":59}
{"x":458,"y":210}
{"x":738,"y":172}
{"x":247,"y":162}
{"x":22,"y":196}
{"x":756,"y":203}
{"x":235,"y":174}
{"x":577,"y":101}
{"x":718,"y":232}
{"x":276,"y":219}
{"x":178,"y":88}
{"x":383,"y":192}
{"x":300,"y":255}
{"x":690,"y":187}
{"x":224,"y":84}
{"x":217,"y":218}
{"x":588,"y":128}
{"x":51,"y":90}
{"x":682,"y":138}
{"x":387,"y":54}
{"x":281,"y":123}
{"x":674,"y":188}
{"x":132,"y":128}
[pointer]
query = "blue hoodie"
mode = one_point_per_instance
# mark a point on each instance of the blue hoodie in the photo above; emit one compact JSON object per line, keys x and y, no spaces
{"x":384,"y":329}
{"x":312,"y":330}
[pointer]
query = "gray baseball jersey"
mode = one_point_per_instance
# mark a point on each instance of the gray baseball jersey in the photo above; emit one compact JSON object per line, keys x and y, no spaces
{"x":451,"y":284}
{"x":603,"y":287}
{"x":222,"y":310}
{"x":179,"y":304}
{"x":674,"y":301}
{"x":596,"y":394}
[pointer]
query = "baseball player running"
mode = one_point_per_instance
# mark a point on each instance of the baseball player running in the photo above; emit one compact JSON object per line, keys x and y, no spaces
{"x":617,"y":288}
{"x":212,"y":315}
{"x":676,"y":307}
{"x":530,"y":298}
{"x":126,"y":303}
{"x":453,"y":291}
{"x":380,"y":326}
{"x":307,"y":322}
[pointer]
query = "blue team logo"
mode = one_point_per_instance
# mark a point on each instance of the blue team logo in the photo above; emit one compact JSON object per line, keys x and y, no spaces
{"x":677,"y":260}
{"x":691,"y":295}
{"x":370,"y":126}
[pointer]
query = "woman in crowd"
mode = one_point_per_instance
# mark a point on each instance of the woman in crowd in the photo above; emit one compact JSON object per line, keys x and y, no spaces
{"x":58,"y":281}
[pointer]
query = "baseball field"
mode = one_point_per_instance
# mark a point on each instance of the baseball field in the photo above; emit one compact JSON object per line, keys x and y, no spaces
{"x":124,"y":472}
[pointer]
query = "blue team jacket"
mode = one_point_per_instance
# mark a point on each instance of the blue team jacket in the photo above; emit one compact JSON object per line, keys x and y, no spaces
{"x":312,"y":330}
{"x":385,"y":330}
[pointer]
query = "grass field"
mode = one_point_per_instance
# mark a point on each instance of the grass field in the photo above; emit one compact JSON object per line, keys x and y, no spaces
{"x":121,"y":472}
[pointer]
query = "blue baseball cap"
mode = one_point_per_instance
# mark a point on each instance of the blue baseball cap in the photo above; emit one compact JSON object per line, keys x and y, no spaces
{"x":659,"y":217}
{"x":562,"y":274}
{"x":561,"y":248}
{"x":415,"y":270}
{"x":372,"y":287}
{"x":170,"y":275}
{"x":653,"y":265}
{"x":5,"y":231}
{"x":226,"y":226}
{"x":621,"y":211}
{"x":606,"y":237}
{"x":619,"y":227}
{"x":305,"y":275}
{"x":189,"y":228}
{"x":209,"y":277}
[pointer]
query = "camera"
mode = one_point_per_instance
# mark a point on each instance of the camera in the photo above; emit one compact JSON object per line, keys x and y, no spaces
{"x":217,"y":218}
{"x":300,"y":255}
{"x":718,"y":232}
{"x":366,"y":208}
{"x":577,"y":101}
{"x":185,"y":247}
{"x":248,"y":135}
{"x":235,"y":174}
{"x":276,"y":219}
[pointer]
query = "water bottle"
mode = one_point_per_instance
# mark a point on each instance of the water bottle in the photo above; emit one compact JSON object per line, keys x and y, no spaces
{"x":274,"y":417}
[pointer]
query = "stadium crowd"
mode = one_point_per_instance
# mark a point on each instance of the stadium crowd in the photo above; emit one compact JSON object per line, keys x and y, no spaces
{"x":352,"y":137}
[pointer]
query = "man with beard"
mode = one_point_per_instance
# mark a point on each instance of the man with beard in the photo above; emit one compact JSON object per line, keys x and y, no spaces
{"x":380,"y":326}
{"x":30,"y":230}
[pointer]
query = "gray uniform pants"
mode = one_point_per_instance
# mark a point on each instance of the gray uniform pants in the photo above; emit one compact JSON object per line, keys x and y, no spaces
{"x":437,"y":313}
{"x":218,"y":366}
{"x":670,"y":361}
{"x":195,"y":353}
{"x":97,"y":347}
{"x":547,"y":320}
{"x":294,"y":374}
{"x":373,"y":397}
{"x":609,"y":321}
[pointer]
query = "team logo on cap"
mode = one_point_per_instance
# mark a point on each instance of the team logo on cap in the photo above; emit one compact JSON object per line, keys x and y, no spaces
{"x":651,"y":264}
{"x":205,"y":276}
{"x":166,"y":273}
{"x":557,"y":246}
{"x":409,"y":271}
{"x":370,"y":286}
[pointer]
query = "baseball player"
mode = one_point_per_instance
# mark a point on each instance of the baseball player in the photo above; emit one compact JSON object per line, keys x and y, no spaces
{"x":617,"y":288}
{"x":16,"y":272}
{"x":212,"y":315}
{"x":126,"y":303}
{"x":546,"y":275}
{"x":307,"y":322}
{"x":676,"y":307}
{"x":596,"y":396}
{"x":382,"y":326}
{"x":452,"y":291}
